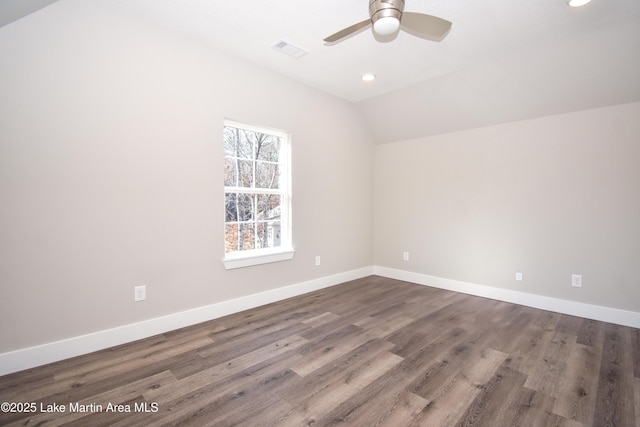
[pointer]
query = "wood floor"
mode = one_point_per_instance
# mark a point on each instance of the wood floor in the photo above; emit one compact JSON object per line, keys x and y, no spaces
{"x":370,"y":352}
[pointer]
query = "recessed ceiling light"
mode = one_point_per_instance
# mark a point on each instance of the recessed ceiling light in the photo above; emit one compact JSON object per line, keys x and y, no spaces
{"x":368,"y":77}
{"x":578,"y":3}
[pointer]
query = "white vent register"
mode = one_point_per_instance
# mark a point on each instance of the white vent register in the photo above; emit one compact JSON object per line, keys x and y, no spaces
{"x":289,"y":49}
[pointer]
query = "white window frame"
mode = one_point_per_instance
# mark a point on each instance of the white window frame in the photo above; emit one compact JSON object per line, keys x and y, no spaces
{"x":285,"y":251}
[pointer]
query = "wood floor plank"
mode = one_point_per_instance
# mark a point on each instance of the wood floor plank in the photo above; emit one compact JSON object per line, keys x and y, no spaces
{"x":82,"y":390}
{"x":422,"y":331}
{"x":493,"y":399}
{"x":323,"y":350}
{"x":225,"y":369}
{"x":531,"y":408}
{"x":242,"y":407}
{"x":366,"y":409}
{"x":615,"y":395}
{"x":101,"y":402}
{"x":449,"y":406}
{"x":341,"y":389}
{"x":553,"y":361}
{"x":591,"y":333}
{"x":382,"y":327}
{"x":322,"y":319}
{"x":636,"y":388}
{"x":378,"y":398}
{"x":304,"y":387}
{"x":217,"y":398}
{"x":569,"y":325}
{"x":467,"y":358}
{"x":635,"y":351}
{"x":577,"y":385}
{"x":511,"y":325}
{"x":105,"y":365}
{"x":397,"y":408}
{"x":158,"y":350}
{"x":210,"y":356}
{"x":468,"y":382}
{"x":368,"y":352}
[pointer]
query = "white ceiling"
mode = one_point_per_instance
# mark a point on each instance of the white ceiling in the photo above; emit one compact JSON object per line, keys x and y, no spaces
{"x":493,"y":66}
{"x":11,"y":10}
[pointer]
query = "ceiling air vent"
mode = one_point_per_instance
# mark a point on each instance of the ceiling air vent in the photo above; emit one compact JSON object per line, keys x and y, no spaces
{"x":289,"y":49}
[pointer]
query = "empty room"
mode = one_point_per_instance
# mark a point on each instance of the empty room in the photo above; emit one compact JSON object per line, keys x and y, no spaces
{"x":315,"y":213}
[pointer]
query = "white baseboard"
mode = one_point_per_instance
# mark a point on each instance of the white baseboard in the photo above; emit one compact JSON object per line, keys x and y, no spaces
{"x":59,"y":350}
{"x":588,"y":311}
{"x":27,"y":358}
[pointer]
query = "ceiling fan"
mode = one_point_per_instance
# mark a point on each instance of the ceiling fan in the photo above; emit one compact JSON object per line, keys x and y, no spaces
{"x":387,"y":16}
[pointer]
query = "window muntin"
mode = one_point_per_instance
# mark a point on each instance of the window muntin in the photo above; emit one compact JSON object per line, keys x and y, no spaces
{"x":256,"y":180}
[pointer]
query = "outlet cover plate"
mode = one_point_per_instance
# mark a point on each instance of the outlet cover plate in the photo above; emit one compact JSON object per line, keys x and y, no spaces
{"x":576,"y":280}
{"x":139,"y":293}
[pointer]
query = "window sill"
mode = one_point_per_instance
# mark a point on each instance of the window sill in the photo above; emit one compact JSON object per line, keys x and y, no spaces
{"x":239,"y":261}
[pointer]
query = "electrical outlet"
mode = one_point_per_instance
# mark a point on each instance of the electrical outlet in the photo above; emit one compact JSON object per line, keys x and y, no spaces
{"x":139,"y":293}
{"x":317,"y":259}
{"x":519,"y":277}
{"x":576,"y":280}
{"x":405,"y":256}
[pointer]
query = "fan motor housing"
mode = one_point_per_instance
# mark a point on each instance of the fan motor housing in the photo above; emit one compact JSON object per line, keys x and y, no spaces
{"x":385,"y":8}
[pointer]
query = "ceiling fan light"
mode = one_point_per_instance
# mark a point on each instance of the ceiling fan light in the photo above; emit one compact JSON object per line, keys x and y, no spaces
{"x":578,"y":3}
{"x":386,"y":25}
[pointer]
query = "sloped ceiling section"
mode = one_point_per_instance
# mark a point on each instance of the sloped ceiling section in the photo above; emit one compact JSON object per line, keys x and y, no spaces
{"x":12,"y":10}
{"x":592,"y":70}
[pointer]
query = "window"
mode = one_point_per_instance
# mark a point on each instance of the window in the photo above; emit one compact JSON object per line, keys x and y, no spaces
{"x":256,"y":191}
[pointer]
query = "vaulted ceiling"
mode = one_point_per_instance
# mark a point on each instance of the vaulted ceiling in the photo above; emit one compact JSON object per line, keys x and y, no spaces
{"x":12,"y":10}
{"x":503,"y":60}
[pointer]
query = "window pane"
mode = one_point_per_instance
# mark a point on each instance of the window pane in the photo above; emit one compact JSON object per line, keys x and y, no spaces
{"x":274,"y":233}
{"x":230,"y":172}
{"x":231,"y":238}
{"x":268,"y":206}
{"x":268,"y":148}
{"x":267,"y":175}
{"x":242,"y":236}
{"x":239,"y":207}
{"x":246,"y":239}
{"x":229,"y":135}
{"x":267,"y":234}
{"x":245,"y":178}
{"x":245,"y":207}
{"x":230,"y":203}
{"x":261,"y":236}
{"x":244,"y":144}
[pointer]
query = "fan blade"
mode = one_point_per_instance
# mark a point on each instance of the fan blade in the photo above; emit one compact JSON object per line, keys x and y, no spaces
{"x":348,"y":31}
{"x":427,"y":25}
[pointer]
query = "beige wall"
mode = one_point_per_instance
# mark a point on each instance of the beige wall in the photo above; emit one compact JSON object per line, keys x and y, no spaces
{"x":546,"y":197}
{"x":111,"y":174}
